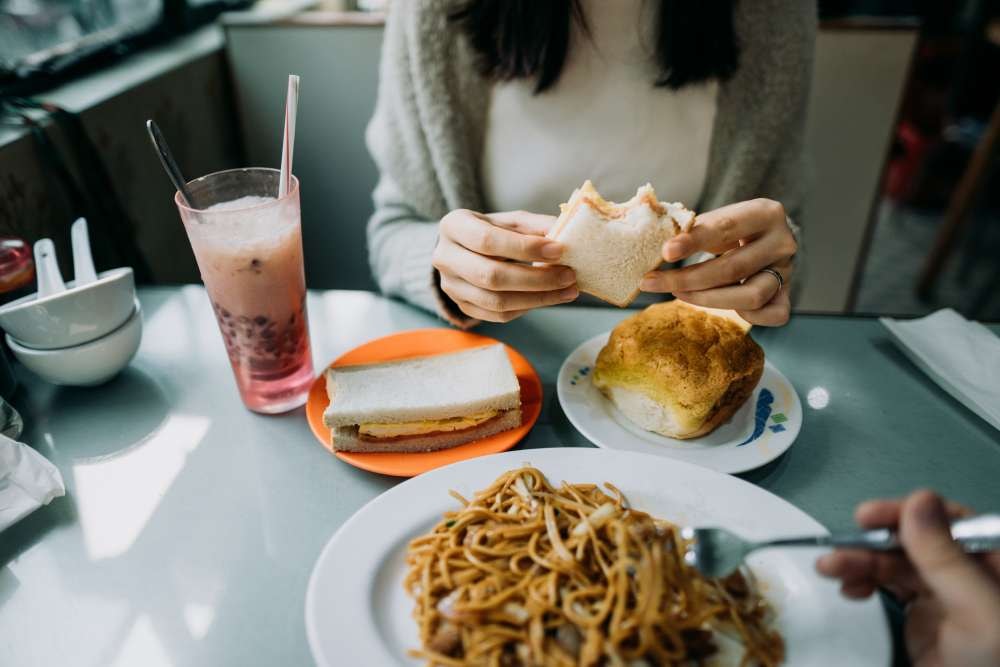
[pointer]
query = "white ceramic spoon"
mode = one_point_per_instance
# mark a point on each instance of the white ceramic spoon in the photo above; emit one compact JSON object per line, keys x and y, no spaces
{"x":47,"y":269}
{"x":83,"y":261}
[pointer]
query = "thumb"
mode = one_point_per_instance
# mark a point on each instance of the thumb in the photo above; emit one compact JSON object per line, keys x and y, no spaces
{"x":952,"y":575}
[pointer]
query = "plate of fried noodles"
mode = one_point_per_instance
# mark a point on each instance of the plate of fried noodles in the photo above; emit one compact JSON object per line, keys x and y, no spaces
{"x":573,"y":556}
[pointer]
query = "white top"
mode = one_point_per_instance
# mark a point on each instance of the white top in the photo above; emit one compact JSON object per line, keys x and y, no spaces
{"x":603,"y":120}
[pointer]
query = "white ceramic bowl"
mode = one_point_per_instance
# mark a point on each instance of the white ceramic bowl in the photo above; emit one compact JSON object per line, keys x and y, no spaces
{"x":76,"y":316}
{"x":89,"y":364}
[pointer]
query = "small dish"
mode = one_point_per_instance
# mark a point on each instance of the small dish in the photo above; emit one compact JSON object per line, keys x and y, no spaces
{"x":74,"y":317}
{"x":760,"y":431}
{"x":422,"y":342}
{"x":89,"y":364}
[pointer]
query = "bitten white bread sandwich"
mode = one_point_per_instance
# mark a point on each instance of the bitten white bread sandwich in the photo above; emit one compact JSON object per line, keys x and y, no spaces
{"x":612,"y":246}
{"x":423,"y":404}
{"x":679,"y":370}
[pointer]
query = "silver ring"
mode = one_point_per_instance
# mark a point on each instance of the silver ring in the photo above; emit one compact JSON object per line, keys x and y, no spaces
{"x":777,"y":276}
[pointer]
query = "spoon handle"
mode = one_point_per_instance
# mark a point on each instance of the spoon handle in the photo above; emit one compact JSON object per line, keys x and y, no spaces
{"x":168,"y":162}
{"x":83,"y":261}
{"x":47,"y":269}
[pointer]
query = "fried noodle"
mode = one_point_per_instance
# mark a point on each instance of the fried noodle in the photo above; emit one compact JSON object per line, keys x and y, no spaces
{"x":527,"y":574}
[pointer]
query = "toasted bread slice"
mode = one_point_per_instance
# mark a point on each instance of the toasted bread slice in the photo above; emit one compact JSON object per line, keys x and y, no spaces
{"x":422,"y":388}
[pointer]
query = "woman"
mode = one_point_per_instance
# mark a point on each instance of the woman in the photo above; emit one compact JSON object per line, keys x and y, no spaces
{"x":507,"y":105}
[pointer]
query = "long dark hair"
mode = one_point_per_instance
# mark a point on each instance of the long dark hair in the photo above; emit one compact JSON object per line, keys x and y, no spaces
{"x":518,"y":39}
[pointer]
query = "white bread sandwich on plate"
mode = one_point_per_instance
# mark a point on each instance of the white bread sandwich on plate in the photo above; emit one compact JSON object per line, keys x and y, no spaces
{"x":612,"y":246}
{"x":422,"y":404}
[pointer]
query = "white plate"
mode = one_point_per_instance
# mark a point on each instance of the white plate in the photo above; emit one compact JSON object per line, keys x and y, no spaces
{"x":358,"y":614}
{"x":739,"y":445}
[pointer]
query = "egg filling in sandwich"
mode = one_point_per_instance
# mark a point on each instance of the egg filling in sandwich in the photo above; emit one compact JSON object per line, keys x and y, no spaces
{"x":612,"y":246}
{"x":679,"y":370}
{"x":422,"y":404}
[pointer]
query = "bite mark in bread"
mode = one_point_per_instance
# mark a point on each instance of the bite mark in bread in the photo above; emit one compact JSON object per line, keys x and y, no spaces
{"x":612,"y":246}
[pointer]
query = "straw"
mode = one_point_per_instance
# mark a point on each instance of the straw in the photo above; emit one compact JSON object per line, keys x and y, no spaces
{"x":288,"y":143}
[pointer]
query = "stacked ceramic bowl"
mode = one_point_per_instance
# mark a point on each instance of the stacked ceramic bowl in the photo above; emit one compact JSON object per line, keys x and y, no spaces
{"x":82,"y":332}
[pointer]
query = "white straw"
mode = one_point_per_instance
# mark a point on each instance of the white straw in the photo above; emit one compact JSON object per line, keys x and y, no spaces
{"x":288,"y":142}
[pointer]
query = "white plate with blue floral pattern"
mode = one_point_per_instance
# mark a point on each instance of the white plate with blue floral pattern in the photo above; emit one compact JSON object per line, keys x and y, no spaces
{"x":760,"y":431}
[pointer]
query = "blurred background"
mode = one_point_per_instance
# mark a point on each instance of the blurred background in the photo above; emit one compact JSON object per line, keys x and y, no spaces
{"x":903,"y":215}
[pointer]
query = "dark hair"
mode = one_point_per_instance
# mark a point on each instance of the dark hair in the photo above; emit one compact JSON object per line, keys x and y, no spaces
{"x":518,"y":39}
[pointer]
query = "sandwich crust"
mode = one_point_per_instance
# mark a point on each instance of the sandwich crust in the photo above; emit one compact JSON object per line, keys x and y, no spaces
{"x":347,"y":439}
{"x":698,"y":367}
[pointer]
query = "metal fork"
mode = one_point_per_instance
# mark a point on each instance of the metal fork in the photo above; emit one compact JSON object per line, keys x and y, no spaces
{"x":716,"y":552}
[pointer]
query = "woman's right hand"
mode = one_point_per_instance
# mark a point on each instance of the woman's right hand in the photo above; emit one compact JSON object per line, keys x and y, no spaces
{"x":484,"y":263}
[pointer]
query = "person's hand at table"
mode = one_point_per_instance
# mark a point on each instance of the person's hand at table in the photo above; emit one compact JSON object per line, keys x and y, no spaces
{"x":752,"y":241}
{"x":485,"y":264}
{"x":952,"y":598}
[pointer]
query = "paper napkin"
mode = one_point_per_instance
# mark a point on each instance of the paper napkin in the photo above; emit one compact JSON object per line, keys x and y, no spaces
{"x":961,"y":356}
{"x":27,"y":481}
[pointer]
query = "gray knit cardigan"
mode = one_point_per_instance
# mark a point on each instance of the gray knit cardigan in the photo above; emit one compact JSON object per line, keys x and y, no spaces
{"x":427,"y":131}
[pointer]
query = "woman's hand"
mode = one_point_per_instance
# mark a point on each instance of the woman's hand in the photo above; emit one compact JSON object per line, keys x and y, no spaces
{"x":482,"y":263}
{"x":747,"y":237}
{"x":952,"y":599}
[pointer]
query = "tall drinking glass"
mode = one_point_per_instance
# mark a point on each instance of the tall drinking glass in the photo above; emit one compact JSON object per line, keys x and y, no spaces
{"x":248,"y":244}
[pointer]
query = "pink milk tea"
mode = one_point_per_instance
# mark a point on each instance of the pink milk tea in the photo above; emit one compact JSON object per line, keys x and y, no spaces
{"x":248,"y":245}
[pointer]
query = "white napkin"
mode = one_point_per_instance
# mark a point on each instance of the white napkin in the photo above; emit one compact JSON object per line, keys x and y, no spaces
{"x":961,"y":356}
{"x":27,"y":481}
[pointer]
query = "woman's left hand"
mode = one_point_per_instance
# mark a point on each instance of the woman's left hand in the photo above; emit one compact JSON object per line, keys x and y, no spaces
{"x":747,"y":238}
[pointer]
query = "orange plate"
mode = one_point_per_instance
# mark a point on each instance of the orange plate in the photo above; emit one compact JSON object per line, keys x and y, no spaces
{"x":418,"y":343}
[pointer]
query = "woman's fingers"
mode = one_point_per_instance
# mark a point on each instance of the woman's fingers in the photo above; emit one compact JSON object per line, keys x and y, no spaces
{"x":727,"y":269}
{"x":774,"y":314}
{"x":961,"y":583}
{"x":857,"y":567}
{"x":743,"y":299}
{"x":858,"y":590}
{"x":849,"y":565}
{"x":472,"y":259}
{"x":475,"y":312}
{"x":921,"y":632}
{"x":931,"y":568}
{"x":477,"y":233}
{"x":722,"y":229}
{"x":523,"y":222}
{"x":885,"y":513}
{"x":503,"y":302}
{"x":756,"y":292}
{"x":880,"y":513}
{"x":758,"y":299}
{"x":751,"y":236}
{"x":495,"y":275}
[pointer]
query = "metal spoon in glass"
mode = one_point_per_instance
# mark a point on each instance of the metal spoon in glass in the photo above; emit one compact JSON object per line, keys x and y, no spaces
{"x":716,"y":552}
{"x":168,"y":162}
